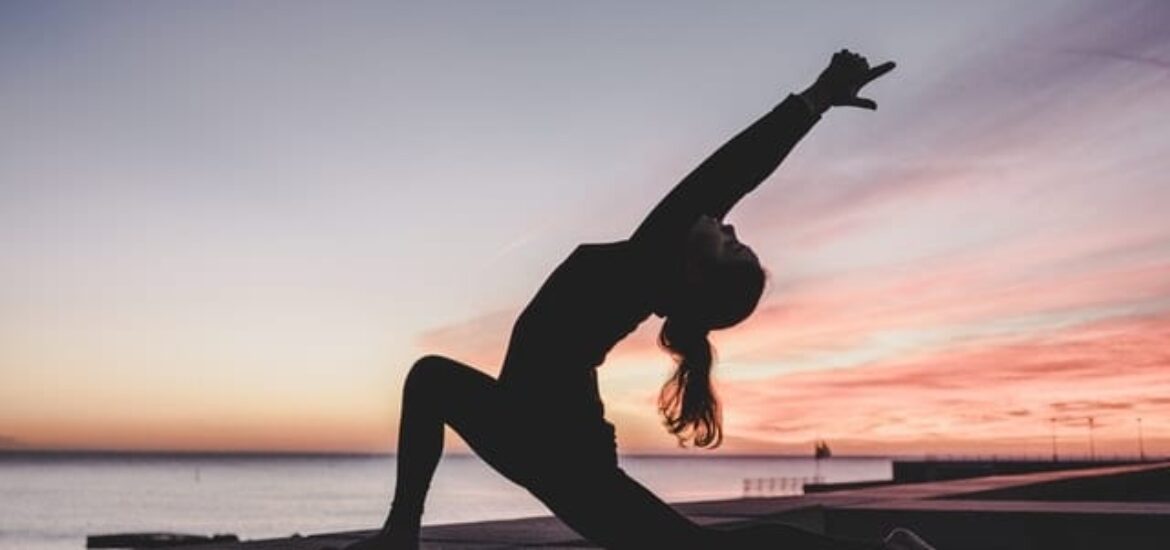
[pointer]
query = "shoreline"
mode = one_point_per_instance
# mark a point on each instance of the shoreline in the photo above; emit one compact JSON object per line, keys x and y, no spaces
{"x":1056,"y":508}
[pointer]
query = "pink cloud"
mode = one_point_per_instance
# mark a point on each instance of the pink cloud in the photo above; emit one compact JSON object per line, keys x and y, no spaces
{"x":1114,"y":370}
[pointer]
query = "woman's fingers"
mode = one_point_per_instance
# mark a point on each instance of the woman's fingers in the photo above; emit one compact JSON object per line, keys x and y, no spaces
{"x":863,"y":102}
{"x":871,"y":75}
{"x":879,"y":71}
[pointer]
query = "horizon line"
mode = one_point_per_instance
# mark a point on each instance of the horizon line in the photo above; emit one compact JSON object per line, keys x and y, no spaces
{"x":369,"y":454}
{"x":260,"y":454}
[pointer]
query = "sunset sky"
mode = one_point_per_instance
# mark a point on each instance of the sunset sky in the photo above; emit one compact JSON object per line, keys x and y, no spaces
{"x":234,"y":225}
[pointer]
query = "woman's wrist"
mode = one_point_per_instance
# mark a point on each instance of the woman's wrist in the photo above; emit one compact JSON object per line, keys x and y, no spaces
{"x":817,"y":101}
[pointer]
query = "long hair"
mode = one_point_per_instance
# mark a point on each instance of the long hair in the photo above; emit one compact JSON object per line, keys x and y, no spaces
{"x":687,"y":401}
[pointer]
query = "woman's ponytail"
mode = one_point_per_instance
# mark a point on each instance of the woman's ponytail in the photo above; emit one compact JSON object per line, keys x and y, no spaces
{"x":687,"y":400}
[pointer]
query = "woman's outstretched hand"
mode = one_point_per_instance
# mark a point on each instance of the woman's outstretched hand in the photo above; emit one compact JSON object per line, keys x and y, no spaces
{"x":839,"y":84}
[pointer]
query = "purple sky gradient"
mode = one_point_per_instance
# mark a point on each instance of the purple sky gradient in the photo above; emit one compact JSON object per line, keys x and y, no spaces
{"x":219,"y":219}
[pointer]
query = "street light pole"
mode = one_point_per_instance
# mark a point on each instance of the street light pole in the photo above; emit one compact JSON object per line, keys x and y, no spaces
{"x":1141,"y":442}
{"x":1092,"y":448}
{"x":1052,"y":422}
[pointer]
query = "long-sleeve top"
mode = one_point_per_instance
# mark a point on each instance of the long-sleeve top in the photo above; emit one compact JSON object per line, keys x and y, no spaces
{"x":602,"y":292}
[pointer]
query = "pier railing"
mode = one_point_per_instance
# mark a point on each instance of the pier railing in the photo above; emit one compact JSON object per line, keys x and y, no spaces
{"x":777,"y":486}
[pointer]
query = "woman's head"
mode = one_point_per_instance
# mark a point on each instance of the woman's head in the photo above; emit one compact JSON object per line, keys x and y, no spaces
{"x":722,"y":284}
{"x":722,"y":279}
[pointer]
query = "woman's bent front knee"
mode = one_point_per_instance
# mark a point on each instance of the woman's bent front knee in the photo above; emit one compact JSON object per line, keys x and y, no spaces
{"x":429,"y":371}
{"x":433,"y":374}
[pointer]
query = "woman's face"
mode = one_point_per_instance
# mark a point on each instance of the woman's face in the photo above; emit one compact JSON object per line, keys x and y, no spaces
{"x":722,"y":279}
{"x":711,"y":242}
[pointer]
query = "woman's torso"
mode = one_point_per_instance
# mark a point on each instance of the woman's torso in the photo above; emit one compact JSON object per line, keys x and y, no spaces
{"x":591,"y":301}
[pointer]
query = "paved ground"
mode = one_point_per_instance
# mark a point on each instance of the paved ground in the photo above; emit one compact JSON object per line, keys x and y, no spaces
{"x":1036,"y":511}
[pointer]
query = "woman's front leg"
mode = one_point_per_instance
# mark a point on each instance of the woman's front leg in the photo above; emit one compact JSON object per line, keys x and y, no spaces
{"x":438,"y":391}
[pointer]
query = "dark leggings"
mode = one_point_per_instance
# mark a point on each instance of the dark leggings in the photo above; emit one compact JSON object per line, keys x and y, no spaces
{"x":602,"y":504}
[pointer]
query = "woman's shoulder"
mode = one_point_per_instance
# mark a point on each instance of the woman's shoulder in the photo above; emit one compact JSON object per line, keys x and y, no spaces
{"x":626,"y":256}
{"x":625,"y":250}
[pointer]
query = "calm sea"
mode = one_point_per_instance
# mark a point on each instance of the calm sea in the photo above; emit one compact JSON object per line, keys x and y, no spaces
{"x":54,"y":501}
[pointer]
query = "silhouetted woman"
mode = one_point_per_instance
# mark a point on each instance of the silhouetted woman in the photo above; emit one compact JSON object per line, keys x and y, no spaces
{"x":541,"y":424}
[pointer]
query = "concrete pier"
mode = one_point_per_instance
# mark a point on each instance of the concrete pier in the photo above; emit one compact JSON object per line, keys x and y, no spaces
{"x":1124,"y":507}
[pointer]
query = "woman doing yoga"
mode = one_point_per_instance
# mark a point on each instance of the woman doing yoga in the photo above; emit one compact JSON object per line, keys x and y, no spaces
{"x":542,"y":425}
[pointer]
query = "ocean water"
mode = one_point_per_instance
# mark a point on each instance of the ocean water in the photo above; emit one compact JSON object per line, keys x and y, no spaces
{"x":54,"y":501}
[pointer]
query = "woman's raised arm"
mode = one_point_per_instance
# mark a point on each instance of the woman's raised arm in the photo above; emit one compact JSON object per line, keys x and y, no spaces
{"x":734,"y":170}
{"x":740,"y":165}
